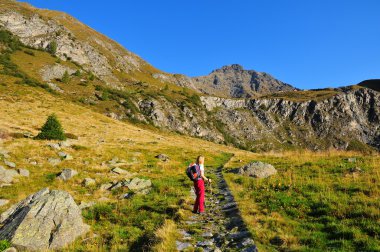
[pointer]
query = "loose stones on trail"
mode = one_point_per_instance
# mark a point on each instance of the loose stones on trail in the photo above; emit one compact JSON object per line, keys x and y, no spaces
{"x":258,"y":170}
{"x":45,"y":220}
{"x":64,"y":155}
{"x":67,"y":174}
{"x":54,"y":161}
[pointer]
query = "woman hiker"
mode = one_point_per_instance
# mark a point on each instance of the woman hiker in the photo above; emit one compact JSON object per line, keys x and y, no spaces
{"x":199,"y":186}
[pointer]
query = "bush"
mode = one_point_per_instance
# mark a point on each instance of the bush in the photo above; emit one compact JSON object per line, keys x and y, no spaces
{"x":4,"y":244}
{"x":65,"y":77}
{"x":52,"y":48}
{"x":52,"y":130}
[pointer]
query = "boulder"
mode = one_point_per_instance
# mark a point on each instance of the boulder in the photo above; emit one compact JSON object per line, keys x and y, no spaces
{"x":105,"y":186}
{"x":48,"y":219}
{"x":9,"y":164}
{"x":64,"y":155}
{"x":54,"y":146}
{"x":54,"y":161}
{"x":3,"y":202}
{"x":163,"y":157}
{"x":7,"y":175}
{"x":88,"y":182}
{"x":23,"y":172}
{"x":139,"y":186}
{"x":258,"y":170}
{"x":67,"y":174}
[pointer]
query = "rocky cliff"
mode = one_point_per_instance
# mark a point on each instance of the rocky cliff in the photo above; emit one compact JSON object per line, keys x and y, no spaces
{"x":343,"y":121}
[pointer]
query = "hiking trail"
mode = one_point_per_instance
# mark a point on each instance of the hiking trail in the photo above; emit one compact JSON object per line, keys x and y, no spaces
{"x":221,"y":228}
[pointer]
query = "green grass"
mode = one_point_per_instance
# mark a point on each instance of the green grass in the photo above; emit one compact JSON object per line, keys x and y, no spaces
{"x":314,"y":203}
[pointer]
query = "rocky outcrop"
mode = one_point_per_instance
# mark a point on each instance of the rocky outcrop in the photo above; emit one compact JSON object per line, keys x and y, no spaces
{"x":336,"y":122}
{"x":234,"y":81}
{"x":45,"y":220}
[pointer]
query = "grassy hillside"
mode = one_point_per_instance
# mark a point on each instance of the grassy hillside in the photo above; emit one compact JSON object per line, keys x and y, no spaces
{"x":316,"y":202}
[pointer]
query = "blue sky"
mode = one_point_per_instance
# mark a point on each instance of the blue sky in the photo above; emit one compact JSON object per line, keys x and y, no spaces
{"x":309,"y":44}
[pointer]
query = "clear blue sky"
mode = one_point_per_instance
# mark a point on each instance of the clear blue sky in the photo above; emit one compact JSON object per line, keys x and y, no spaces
{"x":310,"y":44}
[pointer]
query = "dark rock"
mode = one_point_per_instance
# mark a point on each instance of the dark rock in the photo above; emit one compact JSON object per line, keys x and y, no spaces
{"x":163,"y":157}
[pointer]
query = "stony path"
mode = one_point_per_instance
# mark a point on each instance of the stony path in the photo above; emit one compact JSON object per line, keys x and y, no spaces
{"x":221,"y":228}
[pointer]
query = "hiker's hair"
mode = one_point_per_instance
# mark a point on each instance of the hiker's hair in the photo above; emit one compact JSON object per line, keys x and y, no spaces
{"x":199,"y":158}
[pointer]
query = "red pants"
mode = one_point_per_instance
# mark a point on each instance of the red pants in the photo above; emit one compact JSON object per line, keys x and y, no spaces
{"x":199,"y":205}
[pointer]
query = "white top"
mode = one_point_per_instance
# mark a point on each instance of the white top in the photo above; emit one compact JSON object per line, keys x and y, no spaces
{"x":202,"y":167}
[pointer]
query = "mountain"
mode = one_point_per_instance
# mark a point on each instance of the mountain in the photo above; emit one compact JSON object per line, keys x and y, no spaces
{"x":373,"y":84}
{"x":233,"y":81}
{"x":252,"y":110}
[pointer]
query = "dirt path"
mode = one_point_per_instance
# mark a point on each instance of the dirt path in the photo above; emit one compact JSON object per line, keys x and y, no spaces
{"x":221,"y":228}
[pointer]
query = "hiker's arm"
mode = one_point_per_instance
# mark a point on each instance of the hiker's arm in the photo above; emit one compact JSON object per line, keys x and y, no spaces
{"x":204,"y":177}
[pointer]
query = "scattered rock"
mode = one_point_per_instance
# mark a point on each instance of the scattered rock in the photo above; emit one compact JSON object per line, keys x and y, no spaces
{"x":207,"y":243}
{"x":3,"y":202}
{"x":252,"y":248}
{"x":105,"y":186}
{"x":88,"y":182}
{"x":139,"y":186}
{"x":7,"y":175}
{"x":64,"y":144}
{"x":84,"y":205}
{"x":64,"y":155}
{"x":126,"y":196}
{"x":9,"y":164}
{"x":163,"y":157}
{"x":23,"y":172}
{"x":42,"y":221}
{"x":239,"y":235}
{"x":258,"y":170}
{"x":351,"y":160}
{"x":207,"y":234}
{"x":118,"y":170}
{"x":4,"y":153}
{"x":356,"y":169}
{"x":113,"y":161}
{"x":67,"y":174}
{"x":54,"y":161}
{"x":11,"y":249}
{"x":33,"y":162}
{"x":54,"y":146}
{"x":182,"y":245}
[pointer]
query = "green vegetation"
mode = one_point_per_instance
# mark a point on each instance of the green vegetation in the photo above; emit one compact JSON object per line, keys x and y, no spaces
{"x":66,"y":77}
{"x":4,"y":244}
{"x":52,"y":129}
{"x":52,"y":48}
{"x":317,"y":202}
{"x":307,"y":95}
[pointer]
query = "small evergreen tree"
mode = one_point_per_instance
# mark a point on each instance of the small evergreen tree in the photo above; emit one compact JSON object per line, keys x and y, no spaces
{"x":52,"y":129}
{"x":65,"y":77}
{"x":52,"y":48}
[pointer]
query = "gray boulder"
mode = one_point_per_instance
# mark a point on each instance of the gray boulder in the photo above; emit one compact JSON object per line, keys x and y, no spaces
{"x":42,"y":221}
{"x":3,"y":202}
{"x":54,"y":161}
{"x":64,"y":155}
{"x":139,"y":186}
{"x":23,"y":172}
{"x":258,"y":170}
{"x":54,"y":146}
{"x":7,"y":175}
{"x":88,"y":182}
{"x":67,"y":174}
{"x":9,"y":164}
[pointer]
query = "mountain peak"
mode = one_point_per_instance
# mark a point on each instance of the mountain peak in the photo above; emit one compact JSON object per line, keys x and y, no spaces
{"x":229,"y":68}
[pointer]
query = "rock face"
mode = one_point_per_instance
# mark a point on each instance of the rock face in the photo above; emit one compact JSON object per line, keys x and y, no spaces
{"x":339,"y":122}
{"x":44,"y":220}
{"x":234,"y":81}
{"x":258,"y":170}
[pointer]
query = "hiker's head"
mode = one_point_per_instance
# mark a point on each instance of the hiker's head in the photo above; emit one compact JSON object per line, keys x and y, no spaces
{"x":200,"y":160}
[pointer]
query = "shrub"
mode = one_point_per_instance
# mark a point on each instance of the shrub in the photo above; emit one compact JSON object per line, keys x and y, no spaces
{"x":52,"y":48}
{"x":77,"y":73}
{"x":4,"y":244}
{"x":52,"y":129}
{"x":65,"y":77}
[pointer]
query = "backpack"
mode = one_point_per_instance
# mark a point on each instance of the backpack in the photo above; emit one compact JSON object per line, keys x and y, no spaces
{"x":193,"y":172}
